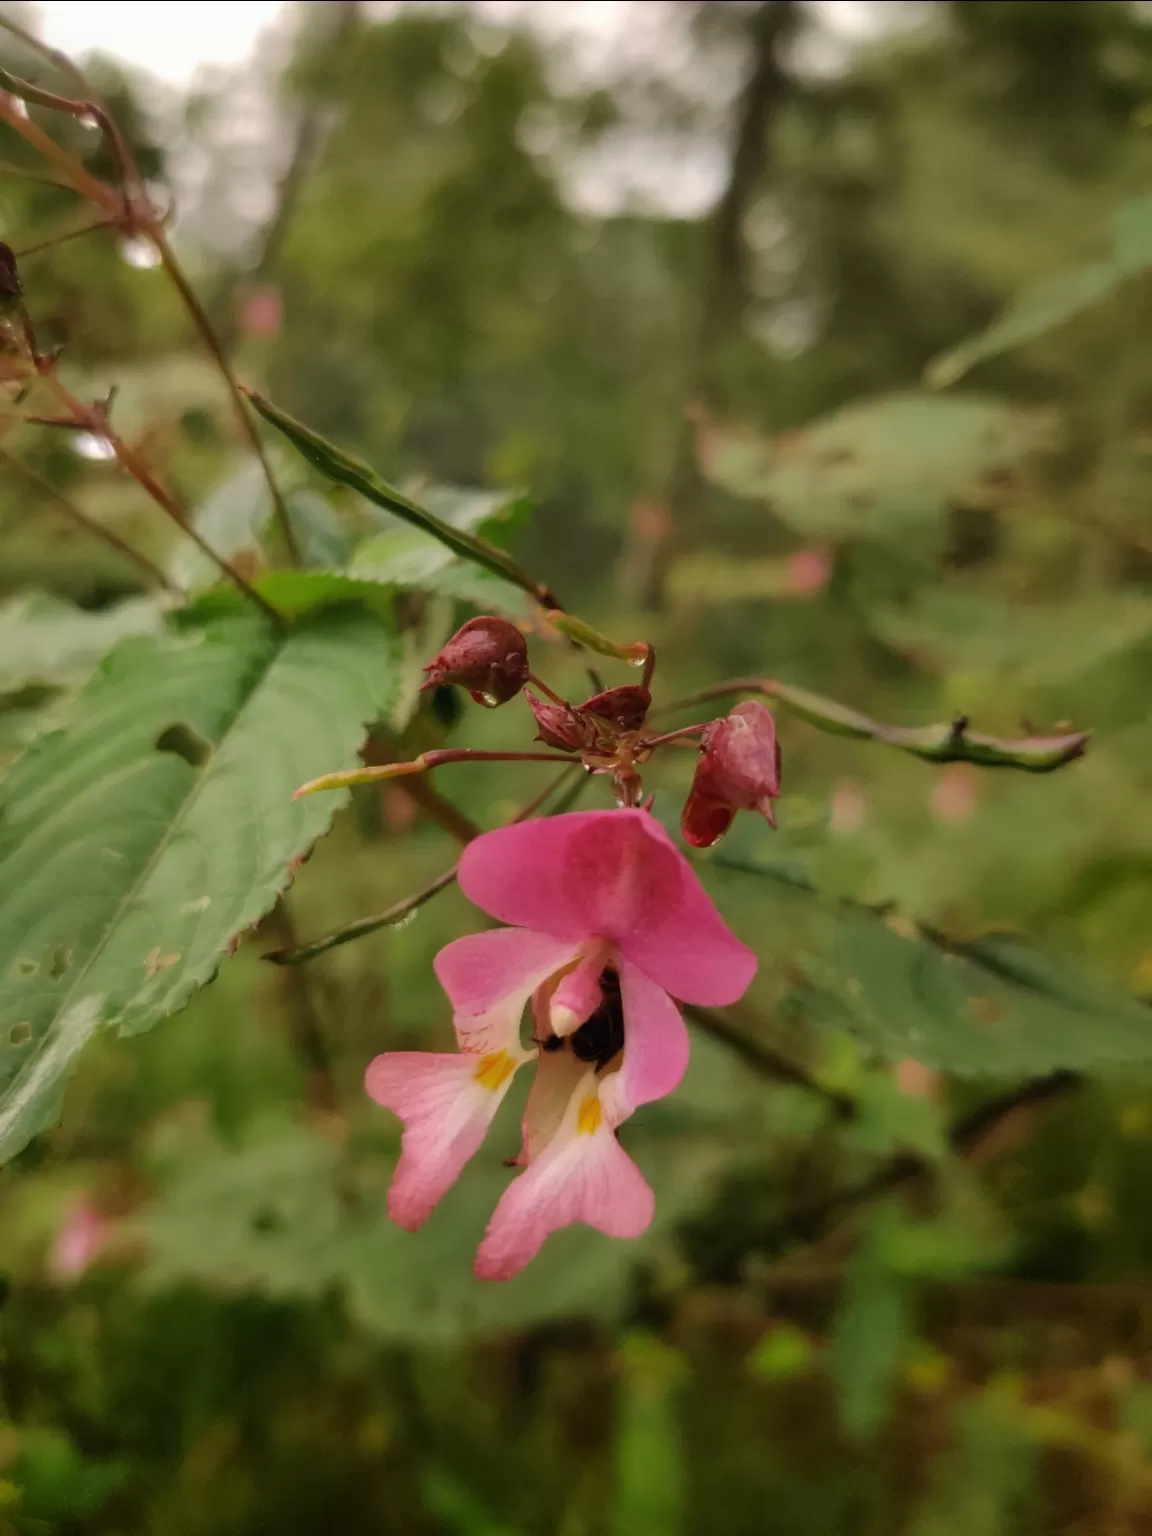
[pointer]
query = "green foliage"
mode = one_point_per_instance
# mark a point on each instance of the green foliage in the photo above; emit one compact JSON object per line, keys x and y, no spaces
{"x":164,"y":811}
{"x":884,"y":469}
{"x":873,"y":1329}
{"x":986,"y":1007}
{"x":47,"y":642}
{"x":1053,"y":301}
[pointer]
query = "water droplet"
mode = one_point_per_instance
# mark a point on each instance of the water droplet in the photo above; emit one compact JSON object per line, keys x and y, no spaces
{"x":19,"y":107}
{"x":88,"y":120}
{"x":89,"y":446}
{"x":139,"y":251}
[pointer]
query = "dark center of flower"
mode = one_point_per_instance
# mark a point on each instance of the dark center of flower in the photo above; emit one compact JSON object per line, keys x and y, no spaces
{"x":601,"y":1036}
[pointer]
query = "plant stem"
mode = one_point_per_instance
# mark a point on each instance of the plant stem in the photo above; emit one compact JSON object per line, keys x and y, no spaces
{"x":203,"y":325}
{"x":765,"y":1060}
{"x":150,"y":569}
{"x":399,"y":910}
{"x":303,"y":1019}
{"x":94,"y":420}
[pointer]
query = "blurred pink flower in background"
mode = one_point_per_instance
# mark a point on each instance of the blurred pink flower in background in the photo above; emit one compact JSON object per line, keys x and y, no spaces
{"x":956,"y":793}
{"x":611,"y":925}
{"x":261,"y":312}
{"x":808,"y":571}
{"x":79,"y":1240}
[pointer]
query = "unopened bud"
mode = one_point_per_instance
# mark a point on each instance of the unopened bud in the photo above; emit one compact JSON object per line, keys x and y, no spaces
{"x":626,"y":707}
{"x":559,"y":724}
{"x":739,"y":770}
{"x":487,"y":656}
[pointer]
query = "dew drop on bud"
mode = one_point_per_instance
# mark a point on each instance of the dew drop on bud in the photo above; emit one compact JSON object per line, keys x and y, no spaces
{"x":89,"y":446}
{"x":88,"y":120}
{"x":139,"y":251}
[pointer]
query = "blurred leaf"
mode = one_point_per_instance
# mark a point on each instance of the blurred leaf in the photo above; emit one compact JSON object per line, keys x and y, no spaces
{"x":990,"y":1006}
{"x":59,"y":1483}
{"x":885,"y":468}
{"x":785,"y":1353}
{"x":980,"y":1486}
{"x":651,"y":1487}
{"x":1055,"y":300}
{"x":995,"y":637}
{"x":287,"y":1215}
{"x":44,"y":640}
{"x":873,"y":1327}
{"x":141,"y":840}
{"x":236,"y":517}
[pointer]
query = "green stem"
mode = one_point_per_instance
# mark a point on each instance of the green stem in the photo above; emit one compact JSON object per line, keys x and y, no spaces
{"x":951,"y":742}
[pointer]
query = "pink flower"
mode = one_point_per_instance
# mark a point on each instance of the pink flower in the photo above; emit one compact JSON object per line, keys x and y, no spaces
{"x":738,"y":770}
{"x":610,"y":924}
{"x":79,"y":1241}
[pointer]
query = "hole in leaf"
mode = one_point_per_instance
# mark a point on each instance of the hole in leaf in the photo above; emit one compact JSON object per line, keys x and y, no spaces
{"x":25,"y":968}
{"x":181,"y":739}
{"x":60,"y":962}
{"x":20,"y":1034}
{"x":268,"y":1219}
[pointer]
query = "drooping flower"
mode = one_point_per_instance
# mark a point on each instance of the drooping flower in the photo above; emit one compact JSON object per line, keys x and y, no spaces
{"x":610,"y":924}
{"x":738,"y":770}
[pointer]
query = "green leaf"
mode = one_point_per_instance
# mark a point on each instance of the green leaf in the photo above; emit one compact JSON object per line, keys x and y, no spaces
{"x":358,"y":476}
{"x":981,"y":634}
{"x":871,"y":1331}
{"x":1053,"y":301}
{"x":407,"y":559}
{"x":288,"y":1216}
{"x":235,"y":518}
{"x":990,"y":1007}
{"x":650,"y":1486}
{"x":47,"y":641}
{"x":140,"y":841}
{"x":885,"y":468}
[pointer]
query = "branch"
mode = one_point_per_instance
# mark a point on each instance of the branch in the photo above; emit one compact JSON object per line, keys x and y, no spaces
{"x":303,"y":1020}
{"x":402,"y":909}
{"x":80,"y":517}
{"x":971,"y":1138}
{"x":951,"y":742}
{"x":765,"y":1060}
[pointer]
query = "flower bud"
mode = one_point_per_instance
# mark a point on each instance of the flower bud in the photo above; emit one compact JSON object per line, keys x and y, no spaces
{"x":560,"y":725}
{"x":487,"y":656}
{"x":739,"y":770}
{"x":626,"y":707}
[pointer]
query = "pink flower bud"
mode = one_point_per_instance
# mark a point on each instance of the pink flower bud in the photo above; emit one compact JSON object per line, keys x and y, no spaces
{"x":560,"y":725}
{"x":487,"y":656}
{"x":739,"y":770}
{"x":626,"y":707}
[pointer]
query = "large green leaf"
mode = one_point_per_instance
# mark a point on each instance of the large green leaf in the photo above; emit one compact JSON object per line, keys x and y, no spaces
{"x":140,"y":841}
{"x":1052,"y":301}
{"x":883,"y":468}
{"x":989,"y":1007}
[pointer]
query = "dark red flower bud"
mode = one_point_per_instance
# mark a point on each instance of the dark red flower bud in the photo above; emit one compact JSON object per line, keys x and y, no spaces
{"x":560,"y":725}
{"x":488,"y":656}
{"x":739,"y":770}
{"x":626,"y":707}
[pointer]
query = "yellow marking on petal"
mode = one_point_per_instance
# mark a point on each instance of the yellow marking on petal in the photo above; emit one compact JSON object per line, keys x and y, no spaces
{"x":494,"y":1069}
{"x":589,"y":1116}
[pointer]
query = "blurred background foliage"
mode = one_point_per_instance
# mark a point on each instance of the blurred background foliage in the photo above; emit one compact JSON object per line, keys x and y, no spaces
{"x":803,"y":340}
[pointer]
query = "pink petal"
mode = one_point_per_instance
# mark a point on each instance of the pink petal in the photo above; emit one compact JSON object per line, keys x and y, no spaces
{"x":446,"y":1102}
{"x":616,"y":875}
{"x":584,"y":1175}
{"x":655,"y":1047}
{"x":490,"y":976}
